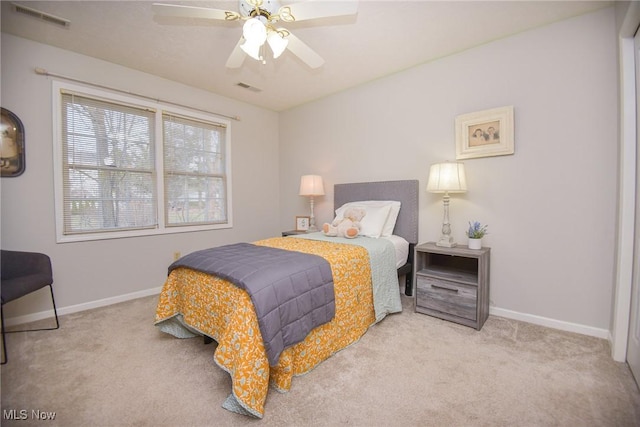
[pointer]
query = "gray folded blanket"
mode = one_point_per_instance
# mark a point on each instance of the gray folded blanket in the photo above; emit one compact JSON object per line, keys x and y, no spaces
{"x":292,"y":292}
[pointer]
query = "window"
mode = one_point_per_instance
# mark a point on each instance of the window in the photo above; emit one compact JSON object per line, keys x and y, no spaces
{"x":125,"y":167}
{"x":194,"y":165}
{"x":107,"y":165}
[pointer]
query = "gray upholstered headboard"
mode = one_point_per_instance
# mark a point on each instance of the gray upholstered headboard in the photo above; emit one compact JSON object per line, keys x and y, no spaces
{"x":406,"y":192}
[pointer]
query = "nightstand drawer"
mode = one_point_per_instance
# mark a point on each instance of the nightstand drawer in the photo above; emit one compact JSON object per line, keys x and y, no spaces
{"x":453,"y":298}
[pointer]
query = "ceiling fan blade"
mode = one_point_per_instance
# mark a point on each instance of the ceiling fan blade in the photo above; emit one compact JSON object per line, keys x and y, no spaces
{"x":194,"y":12}
{"x":237,"y":56}
{"x":302,"y":51}
{"x":317,"y":9}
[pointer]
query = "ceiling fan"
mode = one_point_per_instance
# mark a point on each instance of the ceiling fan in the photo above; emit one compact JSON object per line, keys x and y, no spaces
{"x":261,"y":17}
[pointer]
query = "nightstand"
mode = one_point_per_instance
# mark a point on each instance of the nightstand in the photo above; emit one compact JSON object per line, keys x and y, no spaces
{"x":292,"y":233}
{"x":452,"y":283}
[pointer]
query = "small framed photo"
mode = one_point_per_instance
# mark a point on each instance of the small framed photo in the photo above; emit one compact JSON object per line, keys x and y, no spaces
{"x":485,"y":133}
{"x":302,"y":223}
{"x":12,"y":144}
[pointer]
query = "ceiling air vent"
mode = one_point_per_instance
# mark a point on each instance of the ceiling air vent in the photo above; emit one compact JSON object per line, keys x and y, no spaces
{"x":41,"y":15}
{"x":249,"y":87}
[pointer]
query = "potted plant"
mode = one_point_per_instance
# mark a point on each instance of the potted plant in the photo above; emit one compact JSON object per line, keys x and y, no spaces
{"x":475,"y":233}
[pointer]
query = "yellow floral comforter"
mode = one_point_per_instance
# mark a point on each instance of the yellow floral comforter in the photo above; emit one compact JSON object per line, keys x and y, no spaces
{"x":217,"y":308}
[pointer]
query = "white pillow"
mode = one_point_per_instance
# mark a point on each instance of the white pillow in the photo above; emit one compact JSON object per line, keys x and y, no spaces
{"x":380,"y":219}
{"x":387,"y":230}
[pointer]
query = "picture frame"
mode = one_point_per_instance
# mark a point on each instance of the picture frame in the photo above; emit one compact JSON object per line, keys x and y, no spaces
{"x":485,"y":133}
{"x":302,"y":223}
{"x":12,"y":157}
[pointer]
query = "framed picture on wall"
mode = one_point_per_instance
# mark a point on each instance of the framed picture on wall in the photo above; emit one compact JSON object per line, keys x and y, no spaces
{"x":12,"y":144}
{"x":485,"y":133}
{"x":302,"y":223}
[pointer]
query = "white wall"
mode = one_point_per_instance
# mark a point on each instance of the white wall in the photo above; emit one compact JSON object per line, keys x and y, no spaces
{"x":87,"y":272}
{"x":550,"y":207}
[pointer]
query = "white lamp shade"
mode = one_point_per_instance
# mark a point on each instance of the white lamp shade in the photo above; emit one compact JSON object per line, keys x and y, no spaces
{"x":277,"y":43}
{"x":255,"y":34}
{"x":311,"y":185}
{"x":254,"y":31}
{"x":251,"y":49}
{"x":447,"y":178}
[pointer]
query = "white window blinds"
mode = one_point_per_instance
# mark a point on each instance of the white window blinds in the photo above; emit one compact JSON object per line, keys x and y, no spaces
{"x":195,"y":179}
{"x":128,"y":167}
{"x":107,"y":166}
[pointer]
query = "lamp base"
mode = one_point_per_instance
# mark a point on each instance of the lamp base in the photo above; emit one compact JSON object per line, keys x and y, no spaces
{"x":446,"y":242}
{"x":312,"y":229}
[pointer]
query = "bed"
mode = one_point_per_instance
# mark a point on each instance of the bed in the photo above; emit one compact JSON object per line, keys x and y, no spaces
{"x":193,"y":303}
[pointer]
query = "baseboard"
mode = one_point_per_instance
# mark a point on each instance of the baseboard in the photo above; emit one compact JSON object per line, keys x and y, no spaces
{"x":500,"y":312}
{"x":551,"y":323}
{"x":27,"y":318}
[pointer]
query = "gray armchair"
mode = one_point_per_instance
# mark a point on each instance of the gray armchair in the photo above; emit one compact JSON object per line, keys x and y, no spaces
{"x":22,"y":273}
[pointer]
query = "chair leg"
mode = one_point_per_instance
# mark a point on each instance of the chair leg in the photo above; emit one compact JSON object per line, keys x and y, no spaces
{"x":4,"y":342}
{"x":55,"y":312}
{"x":5,"y":358}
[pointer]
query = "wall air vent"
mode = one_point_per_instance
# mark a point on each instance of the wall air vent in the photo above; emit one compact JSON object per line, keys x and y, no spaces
{"x":248,"y":87}
{"x":41,"y":15}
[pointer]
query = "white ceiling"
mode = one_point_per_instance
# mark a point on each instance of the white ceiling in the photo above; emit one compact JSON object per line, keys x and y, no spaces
{"x":383,"y":38}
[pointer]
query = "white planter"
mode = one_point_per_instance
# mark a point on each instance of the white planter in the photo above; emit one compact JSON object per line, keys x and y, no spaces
{"x":475,"y":243}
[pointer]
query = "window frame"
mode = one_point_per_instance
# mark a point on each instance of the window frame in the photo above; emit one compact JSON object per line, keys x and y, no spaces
{"x":160,"y":108}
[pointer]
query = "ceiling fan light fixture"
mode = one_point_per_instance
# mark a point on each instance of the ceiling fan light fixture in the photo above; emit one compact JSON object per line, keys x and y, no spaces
{"x":277,"y":43}
{"x":260,"y":18}
{"x":252,"y":49}
{"x":255,"y":34}
{"x":254,"y":31}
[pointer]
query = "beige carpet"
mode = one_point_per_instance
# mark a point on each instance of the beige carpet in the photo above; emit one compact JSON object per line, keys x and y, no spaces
{"x":111,"y":367}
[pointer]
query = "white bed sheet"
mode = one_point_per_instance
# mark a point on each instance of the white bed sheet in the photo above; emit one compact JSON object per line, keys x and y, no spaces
{"x":402,"y":249}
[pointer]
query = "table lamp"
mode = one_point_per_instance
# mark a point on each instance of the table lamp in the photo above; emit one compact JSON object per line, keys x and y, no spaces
{"x":447,"y":178}
{"x":311,"y":185}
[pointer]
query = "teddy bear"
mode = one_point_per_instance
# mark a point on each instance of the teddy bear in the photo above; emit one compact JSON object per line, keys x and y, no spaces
{"x":348,"y":226}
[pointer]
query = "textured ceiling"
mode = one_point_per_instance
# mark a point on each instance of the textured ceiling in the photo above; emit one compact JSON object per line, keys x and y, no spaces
{"x":383,"y":38}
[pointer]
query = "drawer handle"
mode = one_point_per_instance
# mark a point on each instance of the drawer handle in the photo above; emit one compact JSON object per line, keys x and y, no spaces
{"x":433,"y":285}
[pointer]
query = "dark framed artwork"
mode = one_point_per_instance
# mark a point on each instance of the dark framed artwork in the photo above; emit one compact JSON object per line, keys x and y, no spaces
{"x":12,"y":146}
